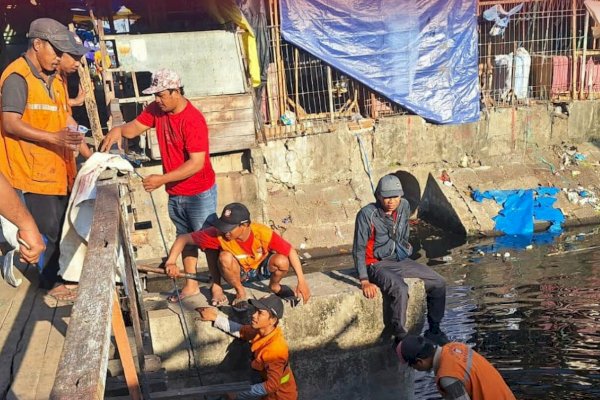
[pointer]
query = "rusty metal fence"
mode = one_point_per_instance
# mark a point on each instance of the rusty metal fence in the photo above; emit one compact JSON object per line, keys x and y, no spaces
{"x":546,"y":52}
{"x":304,"y":95}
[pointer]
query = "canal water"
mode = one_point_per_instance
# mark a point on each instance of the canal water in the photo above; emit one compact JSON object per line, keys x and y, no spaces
{"x":534,"y":313}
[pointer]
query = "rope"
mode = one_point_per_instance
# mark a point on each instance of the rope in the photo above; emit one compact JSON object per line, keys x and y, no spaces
{"x":176,"y":289}
{"x":365,"y":159}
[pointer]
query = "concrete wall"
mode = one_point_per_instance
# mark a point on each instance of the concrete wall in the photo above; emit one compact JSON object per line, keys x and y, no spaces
{"x":338,"y":341}
{"x":309,"y":188}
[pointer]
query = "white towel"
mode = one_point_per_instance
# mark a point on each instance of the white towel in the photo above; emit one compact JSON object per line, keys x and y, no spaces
{"x":80,"y":211}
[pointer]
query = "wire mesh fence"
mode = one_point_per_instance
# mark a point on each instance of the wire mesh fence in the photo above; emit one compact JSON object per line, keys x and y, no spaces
{"x":529,"y":51}
{"x":536,"y":50}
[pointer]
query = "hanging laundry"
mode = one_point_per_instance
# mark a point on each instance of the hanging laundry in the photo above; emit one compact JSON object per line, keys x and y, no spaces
{"x":593,"y":6}
{"x":500,"y":17}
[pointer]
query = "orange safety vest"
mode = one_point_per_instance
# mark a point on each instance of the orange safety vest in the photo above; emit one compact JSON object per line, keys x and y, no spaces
{"x":260,"y":246}
{"x":481,"y":380}
{"x":38,"y":167}
{"x":266,"y":350}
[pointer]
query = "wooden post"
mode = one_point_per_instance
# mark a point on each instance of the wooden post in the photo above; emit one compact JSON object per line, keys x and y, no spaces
{"x":583,"y":56}
{"x":91,"y":106}
{"x":574,"y":45}
{"x":84,"y":358}
{"x":107,"y":76}
{"x":296,"y":83}
{"x":330,"y":93}
{"x":125,"y":355}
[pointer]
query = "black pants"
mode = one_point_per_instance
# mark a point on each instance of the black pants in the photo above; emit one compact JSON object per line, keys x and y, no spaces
{"x":389,"y":277}
{"x":48,"y":211}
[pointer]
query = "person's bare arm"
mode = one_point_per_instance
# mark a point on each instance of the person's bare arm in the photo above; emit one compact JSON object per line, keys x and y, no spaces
{"x":13,"y":124}
{"x":130,"y":130}
{"x":302,"y":288}
{"x":13,"y":209}
{"x":176,"y":250}
{"x":79,"y":100}
{"x":187,"y":169}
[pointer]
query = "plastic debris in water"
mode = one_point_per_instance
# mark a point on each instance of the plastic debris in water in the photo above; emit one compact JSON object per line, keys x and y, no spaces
{"x":447,"y":258}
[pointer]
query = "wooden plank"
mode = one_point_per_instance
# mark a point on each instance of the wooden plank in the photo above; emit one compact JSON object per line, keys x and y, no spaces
{"x":208,"y":390}
{"x":82,"y":369}
{"x":56,"y":340}
{"x":234,"y":129}
{"x":118,"y":325}
{"x":16,"y":305}
{"x":222,"y":103}
{"x":244,"y":114}
{"x":27,"y":367}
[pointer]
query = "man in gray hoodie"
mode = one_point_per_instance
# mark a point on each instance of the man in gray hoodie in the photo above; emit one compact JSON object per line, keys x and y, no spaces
{"x":381,"y":254}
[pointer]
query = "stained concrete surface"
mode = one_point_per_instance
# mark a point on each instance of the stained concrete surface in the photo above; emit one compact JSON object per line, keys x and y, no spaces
{"x":333,"y":338}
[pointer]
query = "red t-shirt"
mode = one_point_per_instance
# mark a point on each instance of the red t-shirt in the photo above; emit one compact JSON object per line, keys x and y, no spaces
{"x":207,"y":239}
{"x":178,"y":136}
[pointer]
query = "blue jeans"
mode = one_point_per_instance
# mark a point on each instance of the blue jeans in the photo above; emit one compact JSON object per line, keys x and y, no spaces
{"x":192,"y":213}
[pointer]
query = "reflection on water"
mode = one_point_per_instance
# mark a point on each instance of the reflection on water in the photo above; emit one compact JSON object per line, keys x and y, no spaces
{"x":535,"y":317}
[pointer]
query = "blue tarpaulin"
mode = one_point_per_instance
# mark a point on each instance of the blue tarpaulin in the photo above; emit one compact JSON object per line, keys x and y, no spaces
{"x":522,"y":207}
{"x":420,"y":54}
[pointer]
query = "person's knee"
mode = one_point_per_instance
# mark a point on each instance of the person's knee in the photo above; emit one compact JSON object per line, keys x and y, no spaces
{"x":279,"y":263}
{"x":226,"y":260}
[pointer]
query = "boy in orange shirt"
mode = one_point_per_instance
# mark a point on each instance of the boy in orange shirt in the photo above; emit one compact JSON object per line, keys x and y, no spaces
{"x":244,"y":251}
{"x":269,"y":348}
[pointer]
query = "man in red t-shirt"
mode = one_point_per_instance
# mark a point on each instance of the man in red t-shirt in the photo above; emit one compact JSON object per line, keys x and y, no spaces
{"x":245,"y":251}
{"x":188,"y":174}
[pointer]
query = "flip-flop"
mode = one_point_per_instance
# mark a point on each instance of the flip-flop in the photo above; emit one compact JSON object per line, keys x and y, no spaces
{"x":240,"y":305}
{"x":172,"y":298}
{"x":65,"y":293}
{"x":287,"y":294}
{"x":214,"y":302}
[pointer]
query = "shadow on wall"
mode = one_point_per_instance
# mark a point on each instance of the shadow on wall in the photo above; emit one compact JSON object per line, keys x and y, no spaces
{"x":412,"y":189}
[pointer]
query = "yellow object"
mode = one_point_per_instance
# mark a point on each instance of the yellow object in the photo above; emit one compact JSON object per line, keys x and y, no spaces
{"x":227,"y":11}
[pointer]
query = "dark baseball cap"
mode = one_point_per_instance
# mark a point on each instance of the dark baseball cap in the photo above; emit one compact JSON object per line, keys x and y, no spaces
{"x":411,"y":348}
{"x":233,"y":215}
{"x":271,"y":303}
{"x":389,"y":186}
{"x":57,"y":34}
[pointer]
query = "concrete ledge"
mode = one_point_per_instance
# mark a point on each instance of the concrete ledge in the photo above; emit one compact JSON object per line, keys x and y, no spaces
{"x":453,"y":208}
{"x":336,"y":333}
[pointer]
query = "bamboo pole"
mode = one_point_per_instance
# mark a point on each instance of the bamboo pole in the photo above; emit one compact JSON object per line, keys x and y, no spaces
{"x":574,"y":45}
{"x":279,"y":61}
{"x":582,"y":69}
{"x":296,"y":83}
{"x":330,"y":92}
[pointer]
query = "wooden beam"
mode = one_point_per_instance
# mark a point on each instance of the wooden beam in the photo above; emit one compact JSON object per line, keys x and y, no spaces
{"x":196,"y":391}
{"x":125,"y":355}
{"x":84,"y":359}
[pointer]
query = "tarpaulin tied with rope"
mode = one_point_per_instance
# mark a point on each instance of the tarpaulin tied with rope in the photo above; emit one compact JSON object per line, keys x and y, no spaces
{"x":421,"y":55}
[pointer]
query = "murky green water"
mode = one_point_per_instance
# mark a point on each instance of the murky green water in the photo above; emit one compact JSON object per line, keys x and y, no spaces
{"x":535,"y":315}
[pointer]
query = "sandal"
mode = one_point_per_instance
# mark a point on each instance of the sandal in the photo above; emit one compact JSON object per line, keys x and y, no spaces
{"x":64,"y":293}
{"x":287,"y":294}
{"x":240,"y":305}
{"x":173,"y":298}
{"x":219,"y":302}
